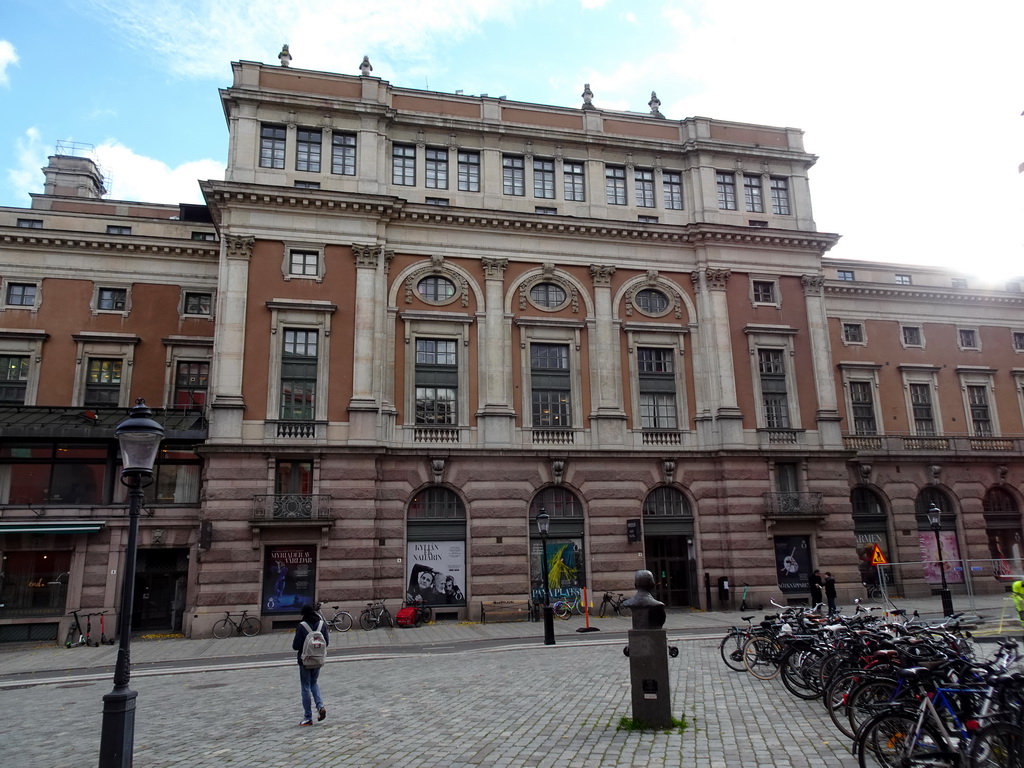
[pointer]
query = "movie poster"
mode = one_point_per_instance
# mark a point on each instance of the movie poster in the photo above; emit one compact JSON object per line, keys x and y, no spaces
{"x":793,"y":563}
{"x":289,"y":578}
{"x":565,"y":569}
{"x":436,"y":572}
{"x":950,"y":558}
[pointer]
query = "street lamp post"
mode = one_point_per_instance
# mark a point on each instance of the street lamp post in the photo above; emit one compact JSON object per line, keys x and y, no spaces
{"x":935,"y":520}
{"x":543,"y":522}
{"x":139,"y":438}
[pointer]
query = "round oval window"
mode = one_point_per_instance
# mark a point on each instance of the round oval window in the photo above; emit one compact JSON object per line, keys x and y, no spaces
{"x":436,"y":288}
{"x":650,"y":301}
{"x":547,"y":295}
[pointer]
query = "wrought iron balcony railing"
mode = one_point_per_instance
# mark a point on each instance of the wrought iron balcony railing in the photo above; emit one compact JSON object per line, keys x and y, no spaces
{"x":291,"y":506}
{"x":791,"y":505}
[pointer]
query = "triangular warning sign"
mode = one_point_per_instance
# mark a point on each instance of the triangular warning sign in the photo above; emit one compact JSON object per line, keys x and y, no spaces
{"x":877,"y":558}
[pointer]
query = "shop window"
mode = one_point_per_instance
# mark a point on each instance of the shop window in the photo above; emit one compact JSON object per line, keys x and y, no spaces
{"x":34,"y":583}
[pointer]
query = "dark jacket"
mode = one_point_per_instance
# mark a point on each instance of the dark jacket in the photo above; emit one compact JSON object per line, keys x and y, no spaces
{"x":830,"y":587}
{"x":300,"y":636}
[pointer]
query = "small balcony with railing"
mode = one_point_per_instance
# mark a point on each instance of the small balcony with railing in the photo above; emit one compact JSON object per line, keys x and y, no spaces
{"x":793,"y":506}
{"x":283,"y":509}
{"x":944,"y":444}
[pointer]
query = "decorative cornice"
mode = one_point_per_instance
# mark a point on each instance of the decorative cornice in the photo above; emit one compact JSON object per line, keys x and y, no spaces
{"x":88,"y":242}
{"x":924,"y":294}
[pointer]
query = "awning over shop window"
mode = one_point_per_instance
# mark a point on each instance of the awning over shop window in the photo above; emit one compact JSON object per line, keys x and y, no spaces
{"x":68,"y":526}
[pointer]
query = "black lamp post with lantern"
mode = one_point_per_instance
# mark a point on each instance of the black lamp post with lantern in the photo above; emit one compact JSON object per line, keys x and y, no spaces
{"x":139,"y":438}
{"x":935,"y":520}
{"x":543,"y":524}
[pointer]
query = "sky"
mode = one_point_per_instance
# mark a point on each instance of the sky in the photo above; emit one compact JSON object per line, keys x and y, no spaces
{"x":912,"y":107}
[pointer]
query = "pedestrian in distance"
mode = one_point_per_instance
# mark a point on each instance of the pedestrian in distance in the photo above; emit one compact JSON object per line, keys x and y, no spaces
{"x":816,"y":588}
{"x":1017,"y":593}
{"x":830,"y":592}
{"x":309,"y":677}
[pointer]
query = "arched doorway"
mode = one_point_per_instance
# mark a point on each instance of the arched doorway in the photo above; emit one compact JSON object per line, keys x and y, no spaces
{"x":1003,"y":527}
{"x":435,"y":565}
{"x":930,"y":561}
{"x":871,"y":530}
{"x":668,"y":542}
{"x":565,"y":569}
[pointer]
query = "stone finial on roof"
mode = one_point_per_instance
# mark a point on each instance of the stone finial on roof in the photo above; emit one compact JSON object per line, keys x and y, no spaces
{"x":655,"y":105}
{"x":365,"y":68}
{"x":284,"y":57}
{"x":588,"y":97}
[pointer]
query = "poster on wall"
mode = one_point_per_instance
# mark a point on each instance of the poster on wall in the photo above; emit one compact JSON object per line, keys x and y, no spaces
{"x":793,"y":563}
{"x":950,"y":558}
{"x":436,"y":572}
{"x":565,"y":571}
{"x":872,"y":555}
{"x":288,"y":578}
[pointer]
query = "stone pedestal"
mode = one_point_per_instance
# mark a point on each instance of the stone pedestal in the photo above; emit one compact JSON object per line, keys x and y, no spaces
{"x":648,"y":657}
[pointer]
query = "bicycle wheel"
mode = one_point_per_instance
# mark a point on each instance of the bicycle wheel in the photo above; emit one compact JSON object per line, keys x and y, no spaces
{"x":342,"y":621}
{"x":997,"y":745}
{"x":837,"y":696}
{"x":418,"y":618}
{"x":563,"y":610}
{"x":796,"y":669}
{"x":867,"y":698}
{"x":222,"y":629}
{"x":385,"y":618}
{"x":761,"y":657}
{"x":251,"y":626}
{"x":731,"y":650}
{"x":894,"y":741}
{"x":365,"y":621}
{"x":428,"y":614}
{"x":604,"y":607}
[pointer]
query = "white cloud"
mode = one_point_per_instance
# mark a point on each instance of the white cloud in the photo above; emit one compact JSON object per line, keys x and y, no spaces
{"x":30,"y":157}
{"x":136,"y":177}
{"x":8,"y":58}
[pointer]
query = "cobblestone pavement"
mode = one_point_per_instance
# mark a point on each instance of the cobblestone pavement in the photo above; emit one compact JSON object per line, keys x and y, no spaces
{"x":523,"y":706}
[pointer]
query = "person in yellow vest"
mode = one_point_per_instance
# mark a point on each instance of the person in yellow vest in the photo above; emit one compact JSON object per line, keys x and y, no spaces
{"x":1017,"y":593}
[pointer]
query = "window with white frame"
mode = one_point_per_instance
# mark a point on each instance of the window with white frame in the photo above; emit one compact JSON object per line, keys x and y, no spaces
{"x":912,"y":336}
{"x":469,"y":171}
{"x":308,"y":142}
{"x":1018,"y":341}
{"x":118,"y":229}
{"x":853,"y":333}
{"x":343,"y":154}
{"x":968,"y":338}
{"x":298,"y":386}
{"x":981,"y":416}
{"x":726,"y":183}
{"x":30,"y":223}
{"x":655,"y":368}
{"x":20,"y":352}
{"x":272,"y":144}
{"x":771,"y":366}
{"x":436,"y":289}
{"x":780,"y":196}
{"x":644,"y":187}
{"x":102,"y":382}
{"x":14,"y":371}
{"x":903,"y":279}
{"x":20,"y":294}
{"x":191,"y":384}
{"x":845,"y":275}
{"x":862,"y":407}
{"x":958,"y":282}
{"x":437,"y":381}
{"x":764,"y":291}
{"x":752,"y":194}
{"x":672,"y":187}
{"x":544,"y":178}
{"x":615,"y":185}
{"x":550,"y":386}
{"x":403,"y":165}
{"x":573,"y":181}
{"x":548,"y":295}
{"x":436,"y":170}
{"x":303,"y":263}
{"x":919,"y":384}
{"x":513,"y":175}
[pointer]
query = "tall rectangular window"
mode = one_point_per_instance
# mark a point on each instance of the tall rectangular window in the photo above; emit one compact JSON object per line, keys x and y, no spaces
{"x":752,"y":194}
{"x":1018,"y":341}
{"x":981,"y":419}
{"x":469,"y":171}
{"x":672,"y":182}
{"x":615,"y":185}
{"x":544,"y":179}
{"x":921,"y":404}
{"x":774,"y":397}
{"x":307,"y":150}
{"x":343,"y":154}
{"x":573,"y":180}
{"x":272,"y":139}
{"x":437,"y":381}
{"x":21,"y":294}
{"x":968,"y":338}
{"x":13,"y":379}
{"x":513,"y":175}
{"x":191,"y":383}
{"x":294,"y":478}
{"x":102,"y":382}
{"x":436,"y":171}
{"x":403,"y":165}
{"x":550,"y":386}
{"x":298,"y":375}
{"x":644,"y":187}
{"x":780,"y":196}
{"x":656,"y":373}
{"x":863,"y":406}
{"x":726,"y":191}
{"x":111,"y":299}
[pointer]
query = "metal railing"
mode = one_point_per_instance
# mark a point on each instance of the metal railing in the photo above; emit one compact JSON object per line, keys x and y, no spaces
{"x":793,"y":505}
{"x":291,"y":506}
{"x":932,"y":443}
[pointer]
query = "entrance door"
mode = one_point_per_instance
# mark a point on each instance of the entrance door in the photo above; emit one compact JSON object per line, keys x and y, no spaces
{"x":160,"y":590}
{"x":668,"y":559}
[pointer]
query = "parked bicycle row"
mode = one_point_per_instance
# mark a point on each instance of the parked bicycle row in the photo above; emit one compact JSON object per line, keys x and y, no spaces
{"x":905,"y":693}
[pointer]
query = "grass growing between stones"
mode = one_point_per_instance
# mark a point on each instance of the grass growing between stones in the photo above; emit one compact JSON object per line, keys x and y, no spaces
{"x":677,"y":725}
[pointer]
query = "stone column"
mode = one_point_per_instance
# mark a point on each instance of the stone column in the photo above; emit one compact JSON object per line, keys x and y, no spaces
{"x":226,"y":401}
{"x":829,"y":432}
{"x":496,"y":419}
{"x":364,"y":406}
{"x":717,"y":358}
{"x":608,"y":418}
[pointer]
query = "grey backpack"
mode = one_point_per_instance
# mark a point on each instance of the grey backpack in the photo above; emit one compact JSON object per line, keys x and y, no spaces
{"x":314,"y":647}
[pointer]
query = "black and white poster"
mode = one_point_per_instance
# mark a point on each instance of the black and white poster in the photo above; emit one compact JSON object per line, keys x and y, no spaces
{"x":793,"y":563}
{"x":436,"y":572}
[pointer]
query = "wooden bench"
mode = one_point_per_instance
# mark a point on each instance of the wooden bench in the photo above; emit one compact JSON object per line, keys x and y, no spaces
{"x":506,"y":610}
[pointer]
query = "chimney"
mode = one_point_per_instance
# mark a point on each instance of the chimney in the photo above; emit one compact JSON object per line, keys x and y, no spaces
{"x":72,"y":176}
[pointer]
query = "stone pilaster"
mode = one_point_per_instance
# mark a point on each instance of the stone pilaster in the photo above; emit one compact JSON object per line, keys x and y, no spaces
{"x":608,"y":417}
{"x":829,"y":431}
{"x":226,"y":401}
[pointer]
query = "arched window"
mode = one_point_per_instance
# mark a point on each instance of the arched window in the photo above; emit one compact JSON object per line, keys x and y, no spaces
{"x":932,"y":560}
{"x":436,"y":548}
{"x":436,"y":503}
{"x":1003,"y":528}
{"x":558,"y":502}
{"x":666,"y":501}
{"x":871,"y":529}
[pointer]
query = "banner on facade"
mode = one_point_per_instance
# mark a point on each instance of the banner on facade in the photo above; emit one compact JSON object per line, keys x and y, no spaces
{"x":950,"y":558}
{"x":289,"y":578}
{"x":793,"y":563}
{"x":565,"y":570}
{"x":436,"y":572}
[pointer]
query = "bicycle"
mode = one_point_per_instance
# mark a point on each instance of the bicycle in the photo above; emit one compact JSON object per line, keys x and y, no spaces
{"x":341,"y":620}
{"x":75,"y":636}
{"x":731,"y":647}
{"x":565,"y":608}
{"x":249,"y":626}
{"x":374,"y":615}
{"x":617,"y":604}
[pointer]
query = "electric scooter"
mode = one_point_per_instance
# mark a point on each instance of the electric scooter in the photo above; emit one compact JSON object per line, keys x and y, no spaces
{"x":104,"y":640}
{"x":88,"y":631}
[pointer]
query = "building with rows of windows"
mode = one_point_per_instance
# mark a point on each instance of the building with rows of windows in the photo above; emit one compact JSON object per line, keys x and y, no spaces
{"x":407,"y":322}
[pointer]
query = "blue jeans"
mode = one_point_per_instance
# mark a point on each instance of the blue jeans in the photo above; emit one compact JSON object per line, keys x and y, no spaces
{"x":310,"y":690}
